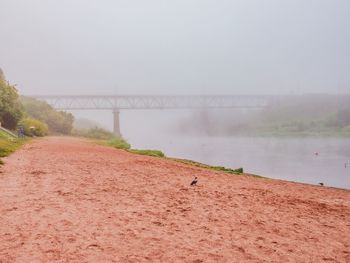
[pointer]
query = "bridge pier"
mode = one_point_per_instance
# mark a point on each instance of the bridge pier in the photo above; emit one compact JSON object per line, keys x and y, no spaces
{"x":116,"y":123}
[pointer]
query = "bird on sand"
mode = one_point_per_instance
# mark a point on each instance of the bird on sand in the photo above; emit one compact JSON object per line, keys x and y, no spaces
{"x":321,"y":184}
{"x":194,"y":182}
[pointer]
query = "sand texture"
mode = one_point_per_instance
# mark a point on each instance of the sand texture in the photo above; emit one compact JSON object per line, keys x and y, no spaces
{"x":68,"y":200}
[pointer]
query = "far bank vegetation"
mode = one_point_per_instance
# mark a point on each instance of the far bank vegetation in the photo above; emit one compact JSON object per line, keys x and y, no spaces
{"x":289,"y":115}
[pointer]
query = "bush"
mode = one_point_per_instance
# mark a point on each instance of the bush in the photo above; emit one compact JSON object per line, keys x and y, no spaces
{"x":94,"y":133}
{"x":40,"y":128}
{"x":11,"y":110}
{"x":58,"y":121}
{"x":238,"y":170}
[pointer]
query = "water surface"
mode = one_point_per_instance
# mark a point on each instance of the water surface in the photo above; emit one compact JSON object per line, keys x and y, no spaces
{"x":307,"y":160}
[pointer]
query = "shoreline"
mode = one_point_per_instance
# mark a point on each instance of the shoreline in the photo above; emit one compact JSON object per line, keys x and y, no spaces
{"x":222,"y":169}
{"x":20,"y":143}
{"x":79,"y":201}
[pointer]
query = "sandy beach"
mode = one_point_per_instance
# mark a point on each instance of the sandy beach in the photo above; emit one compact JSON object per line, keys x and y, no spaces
{"x":69,"y":200}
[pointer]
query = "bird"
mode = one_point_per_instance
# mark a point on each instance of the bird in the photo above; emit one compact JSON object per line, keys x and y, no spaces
{"x":194,"y":182}
{"x":321,"y":184}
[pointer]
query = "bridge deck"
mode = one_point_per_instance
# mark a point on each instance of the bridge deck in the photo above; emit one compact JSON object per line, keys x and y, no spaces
{"x":154,"y":102}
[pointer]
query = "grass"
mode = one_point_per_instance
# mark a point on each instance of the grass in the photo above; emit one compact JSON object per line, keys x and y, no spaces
{"x":120,"y":143}
{"x":9,"y":143}
{"x":8,"y":146}
{"x":227,"y":170}
{"x":6,"y":135}
{"x":154,"y":153}
{"x":206,"y":166}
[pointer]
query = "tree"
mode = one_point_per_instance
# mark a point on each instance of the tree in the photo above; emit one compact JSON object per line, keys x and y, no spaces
{"x":33,"y":127}
{"x":11,"y":110}
{"x":57,"y":121}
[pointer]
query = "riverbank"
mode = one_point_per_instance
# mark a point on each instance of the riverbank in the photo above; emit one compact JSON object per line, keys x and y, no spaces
{"x":9,"y":144}
{"x":120,"y":143}
{"x":291,"y":159}
{"x":65,"y":199}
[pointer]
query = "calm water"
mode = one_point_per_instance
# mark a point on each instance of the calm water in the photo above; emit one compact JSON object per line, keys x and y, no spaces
{"x":290,"y":159}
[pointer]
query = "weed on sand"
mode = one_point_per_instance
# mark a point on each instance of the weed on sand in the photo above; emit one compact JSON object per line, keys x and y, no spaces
{"x":118,"y":143}
{"x":206,"y":166}
{"x":154,"y":153}
{"x":8,"y":146}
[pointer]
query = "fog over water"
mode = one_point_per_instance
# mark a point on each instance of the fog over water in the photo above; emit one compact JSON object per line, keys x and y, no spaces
{"x":291,"y":159}
{"x":286,"y":158}
{"x":198,"y":47}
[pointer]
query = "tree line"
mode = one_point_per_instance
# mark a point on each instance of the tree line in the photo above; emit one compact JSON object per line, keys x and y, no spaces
{"x":36,"y":117}
{"x":308,"y":114}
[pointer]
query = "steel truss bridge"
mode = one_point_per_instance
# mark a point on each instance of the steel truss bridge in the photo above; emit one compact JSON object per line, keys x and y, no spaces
{"x":138,"y":102}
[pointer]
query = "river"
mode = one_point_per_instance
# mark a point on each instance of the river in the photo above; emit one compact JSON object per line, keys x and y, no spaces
{"x":292,"y":159}
{"x":307,"y":160}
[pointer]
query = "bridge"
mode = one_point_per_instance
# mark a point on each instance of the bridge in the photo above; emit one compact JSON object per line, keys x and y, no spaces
{"x":139,"y":102}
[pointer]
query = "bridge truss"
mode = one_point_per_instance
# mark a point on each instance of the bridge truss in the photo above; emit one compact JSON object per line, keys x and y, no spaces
{"x":116,"y":103}
{"x":153,"y":102}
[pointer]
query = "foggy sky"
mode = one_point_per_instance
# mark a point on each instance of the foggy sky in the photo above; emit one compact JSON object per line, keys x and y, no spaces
{"x":176,"y":47}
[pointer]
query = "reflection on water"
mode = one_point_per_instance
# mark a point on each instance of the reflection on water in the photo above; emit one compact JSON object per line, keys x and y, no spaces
{"x":308,"y":160}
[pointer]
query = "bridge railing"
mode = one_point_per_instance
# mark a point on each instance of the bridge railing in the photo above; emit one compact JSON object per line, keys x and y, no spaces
{"x":153,"y":102}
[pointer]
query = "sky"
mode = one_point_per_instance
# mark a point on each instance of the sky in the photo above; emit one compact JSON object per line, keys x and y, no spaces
{"x":176,"y":47}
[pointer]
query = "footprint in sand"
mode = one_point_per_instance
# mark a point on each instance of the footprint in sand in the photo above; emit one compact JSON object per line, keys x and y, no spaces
{"x":71,"y":239}
{"x":157,"y":223}
{"x":11,"y":209}
{"x":37,"y":172}
{"x":94,"y":246}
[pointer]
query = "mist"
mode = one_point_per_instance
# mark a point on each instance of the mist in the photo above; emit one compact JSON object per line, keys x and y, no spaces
{"x":181,"y":47}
